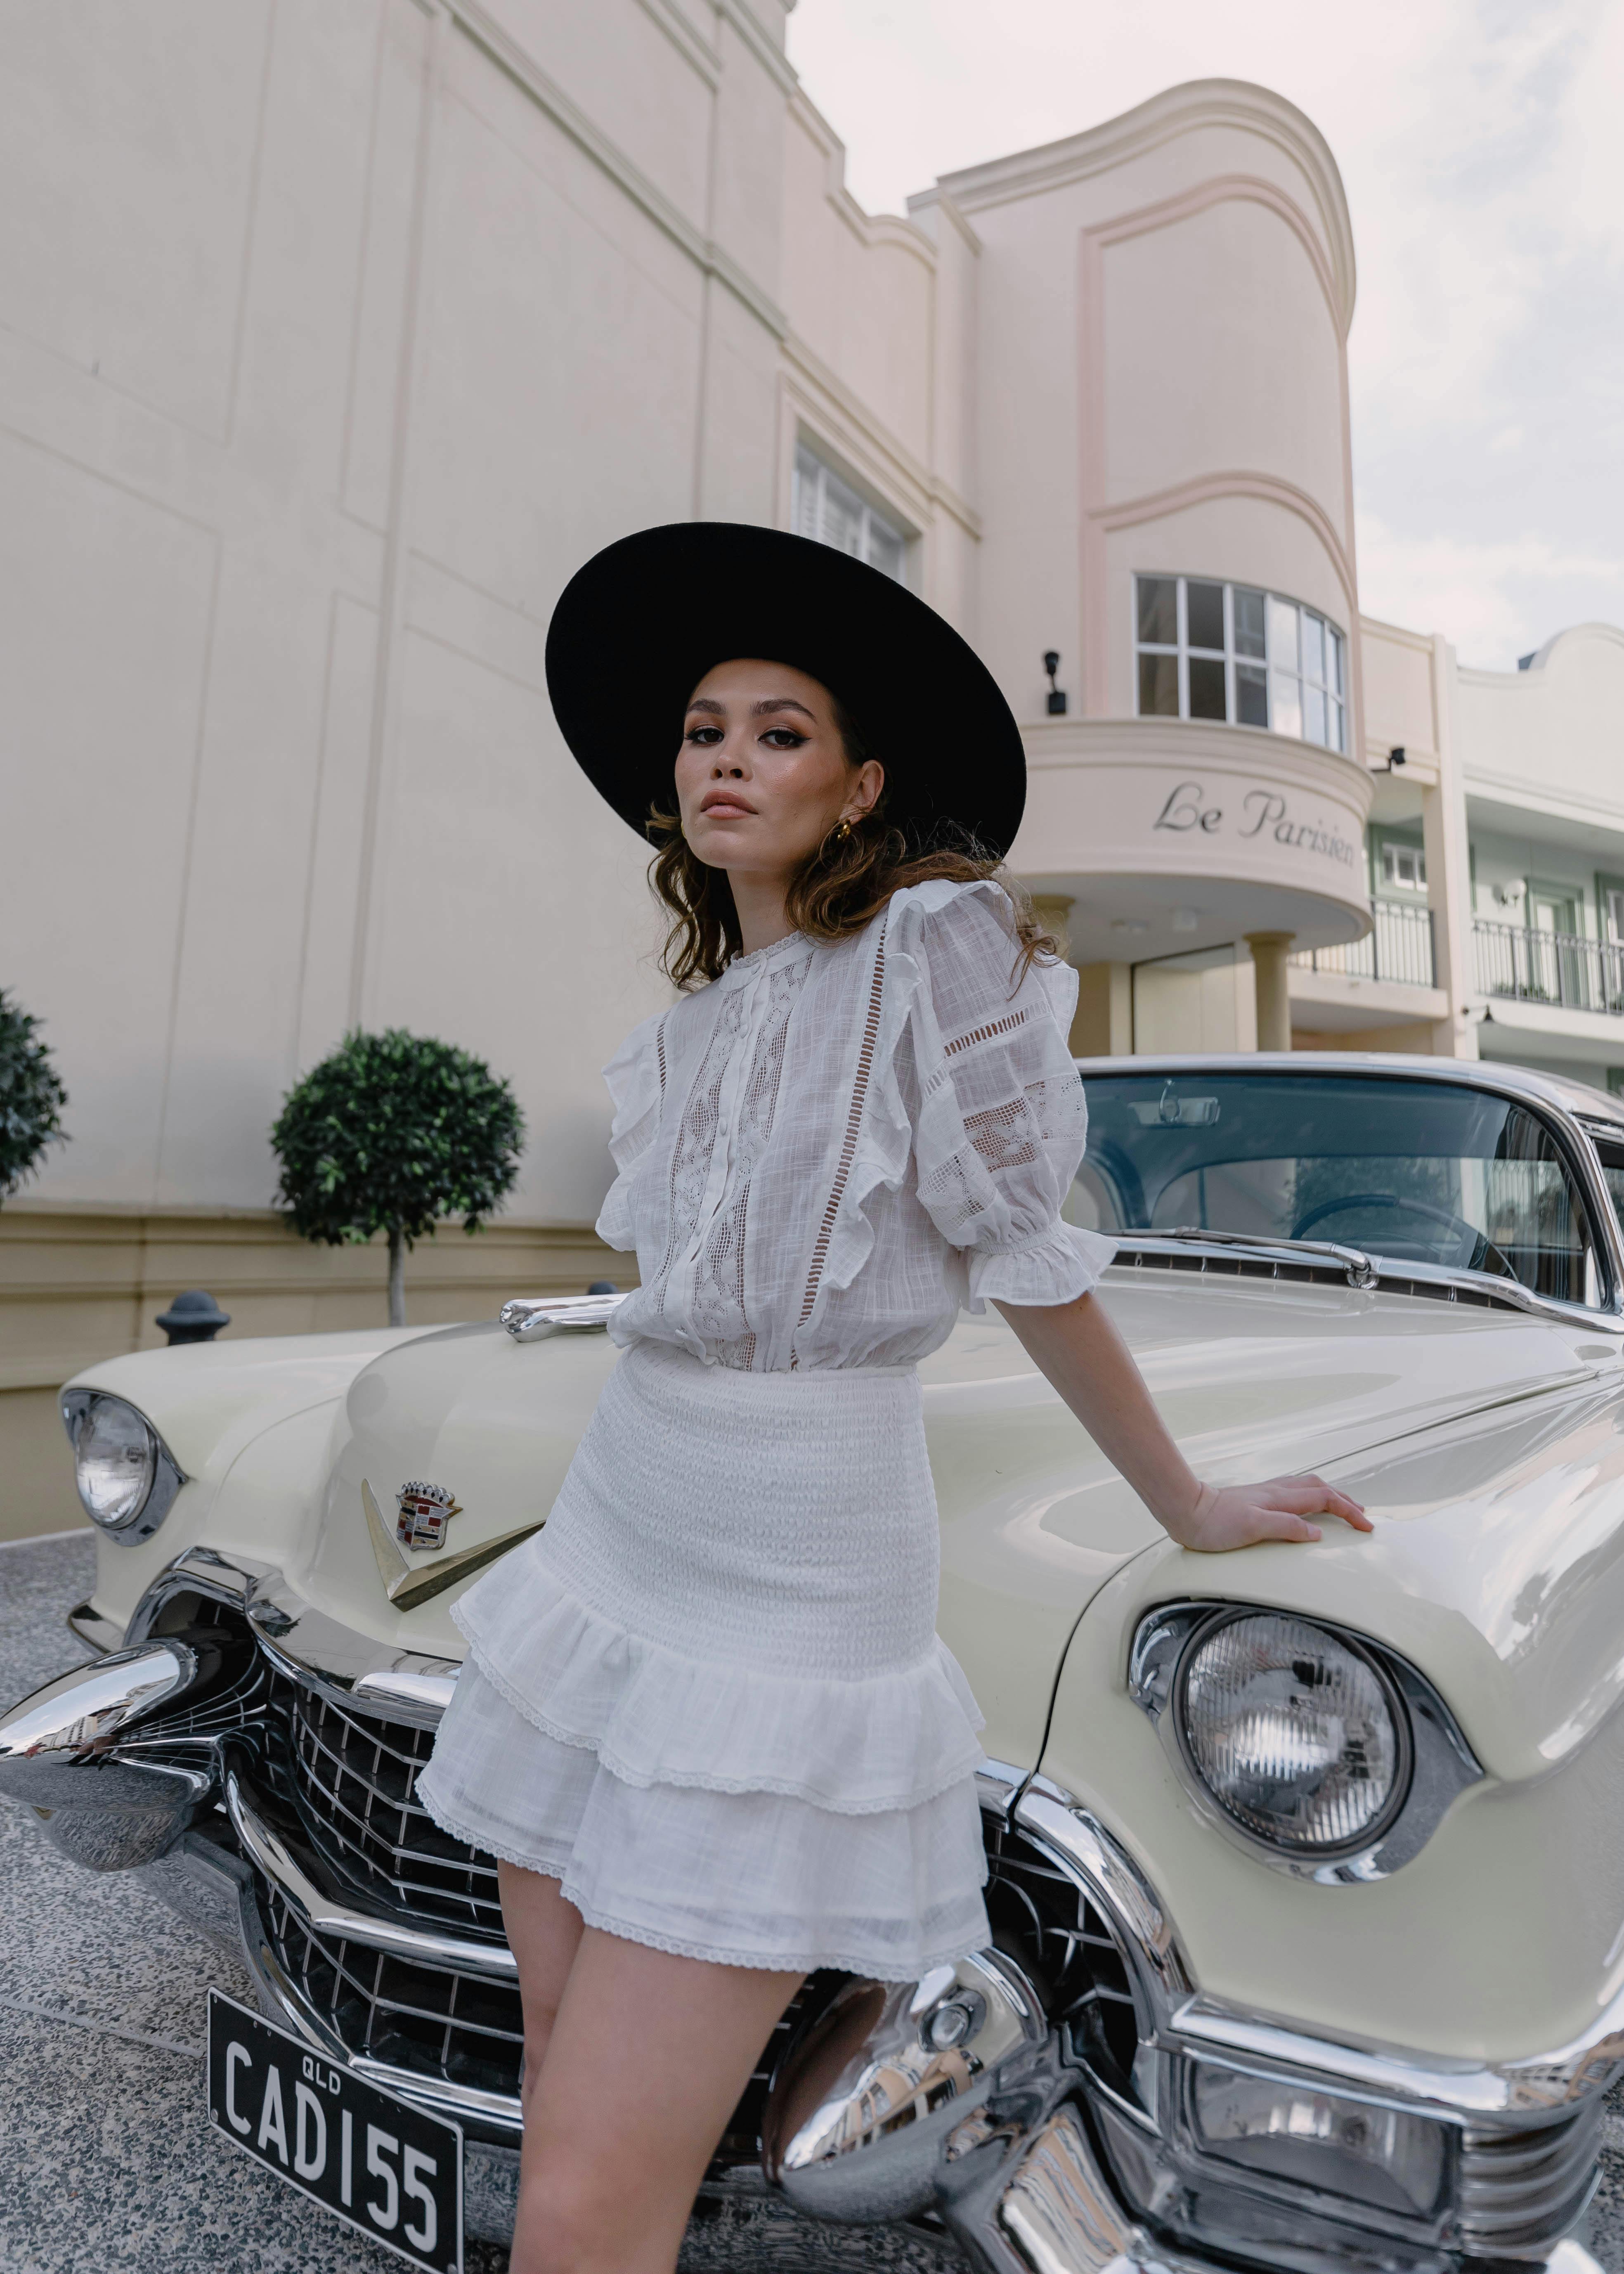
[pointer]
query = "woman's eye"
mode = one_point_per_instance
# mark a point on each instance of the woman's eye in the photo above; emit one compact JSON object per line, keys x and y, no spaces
{"x":782,"y":738}
{"x":703,"y":735}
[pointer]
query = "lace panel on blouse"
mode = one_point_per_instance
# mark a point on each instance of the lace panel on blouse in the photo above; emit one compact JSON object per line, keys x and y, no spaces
{"x":719,"y":1294}
{"x":718,"y":1302}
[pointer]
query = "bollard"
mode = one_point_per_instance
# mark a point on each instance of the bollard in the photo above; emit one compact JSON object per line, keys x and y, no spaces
{"x":193,"y":1317}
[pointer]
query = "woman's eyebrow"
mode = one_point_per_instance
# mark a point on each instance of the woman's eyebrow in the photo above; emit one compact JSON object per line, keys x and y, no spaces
{"x":764,"y":709}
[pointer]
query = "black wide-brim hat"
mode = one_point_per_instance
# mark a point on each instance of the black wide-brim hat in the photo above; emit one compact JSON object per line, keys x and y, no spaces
{"x":638,"y":628}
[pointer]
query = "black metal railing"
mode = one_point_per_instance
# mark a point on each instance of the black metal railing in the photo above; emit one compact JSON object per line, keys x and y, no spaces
{"x":1399,"y":947}
{"x":1550,"y":967}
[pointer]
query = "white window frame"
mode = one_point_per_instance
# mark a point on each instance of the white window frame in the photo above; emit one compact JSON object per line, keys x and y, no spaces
{"x":1334,"y":649}
{"x":809,"y":515}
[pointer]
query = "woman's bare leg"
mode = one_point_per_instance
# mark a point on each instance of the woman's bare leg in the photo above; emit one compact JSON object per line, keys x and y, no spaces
{"x":544,"y":1933}
{"x":646,"y":2057}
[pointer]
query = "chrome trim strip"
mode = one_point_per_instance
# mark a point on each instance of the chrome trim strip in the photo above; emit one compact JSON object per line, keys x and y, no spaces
{"x":1360,"y":1268}
{"x":1384,"y":1275}
{"x":266,"y":1850}
{"x":500,"y":2110}
{"x":74,"y":1405}
{"x":1505,"y":2095}
{"x":1106,"y":1871}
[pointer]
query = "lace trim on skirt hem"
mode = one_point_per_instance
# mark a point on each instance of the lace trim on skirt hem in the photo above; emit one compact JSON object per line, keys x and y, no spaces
{"x":703,"y":1780}
{"x":555,"y":1867}
{"x":924,"y":1715}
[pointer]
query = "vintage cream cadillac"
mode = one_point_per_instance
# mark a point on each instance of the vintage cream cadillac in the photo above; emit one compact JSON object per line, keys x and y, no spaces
{"x":1306,"y":1868}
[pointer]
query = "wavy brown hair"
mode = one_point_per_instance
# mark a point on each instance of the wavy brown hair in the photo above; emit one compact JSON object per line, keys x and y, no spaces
{"x":835,"y":891}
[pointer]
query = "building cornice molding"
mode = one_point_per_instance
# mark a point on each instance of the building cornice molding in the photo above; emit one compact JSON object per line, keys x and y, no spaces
{"x":1204,"y":745}
{"x":1420,"y":642}
{"x":1230,"y":189}
{"x":1514,"y":790}
{"x":937,"y":200}
{"x":844,"y":421}
{"x":1176,"y":111}
{"x":1607,"y":634}
{"x":1155,"y":505}
{"x":477,"y":25}
{"x":772,"y":58}
{"x":687,"y":38}
{"x":869,"y":229}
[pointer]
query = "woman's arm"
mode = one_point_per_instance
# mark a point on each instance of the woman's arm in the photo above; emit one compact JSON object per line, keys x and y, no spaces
{"x":1080,"y":1349}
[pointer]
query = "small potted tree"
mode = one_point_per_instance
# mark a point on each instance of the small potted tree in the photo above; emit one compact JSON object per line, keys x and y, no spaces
{"x":393,"y":1133}
{"x":31,"y":1096}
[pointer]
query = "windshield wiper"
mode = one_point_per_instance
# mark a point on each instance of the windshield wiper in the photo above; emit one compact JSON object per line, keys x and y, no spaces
{"x":1361,"y":1270}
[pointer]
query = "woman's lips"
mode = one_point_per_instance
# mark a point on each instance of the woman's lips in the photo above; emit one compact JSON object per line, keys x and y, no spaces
{"x":726,"y":808}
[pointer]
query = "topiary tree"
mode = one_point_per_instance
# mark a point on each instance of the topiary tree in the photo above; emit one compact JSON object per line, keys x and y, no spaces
{"x":392,"y":1133}
{"x":31,"y":1096}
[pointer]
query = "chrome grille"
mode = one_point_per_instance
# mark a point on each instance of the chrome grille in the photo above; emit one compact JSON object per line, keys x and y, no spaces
{"x":1522,"y":2190}
{"x":1043,"y":1919}
{"x":356,"y":1780}
{"x":464,"y":2028}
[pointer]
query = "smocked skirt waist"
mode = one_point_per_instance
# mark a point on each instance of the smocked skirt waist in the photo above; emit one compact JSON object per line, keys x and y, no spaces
{"x":737,"y":1588}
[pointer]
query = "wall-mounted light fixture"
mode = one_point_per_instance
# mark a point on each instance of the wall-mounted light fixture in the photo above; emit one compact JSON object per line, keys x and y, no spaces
{"x":1395,"y":758}
{"x":1057,"y":695}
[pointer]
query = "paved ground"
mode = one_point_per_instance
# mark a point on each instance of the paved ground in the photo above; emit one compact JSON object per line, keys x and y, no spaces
{"x":107,"y":2160}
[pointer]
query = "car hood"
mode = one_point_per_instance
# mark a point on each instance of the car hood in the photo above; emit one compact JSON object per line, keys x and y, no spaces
{"x":1254,"y":1378}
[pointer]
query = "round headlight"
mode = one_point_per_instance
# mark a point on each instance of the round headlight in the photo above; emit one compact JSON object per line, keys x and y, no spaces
{"x":1295,"y":1732}
{"x":115,"y":1461}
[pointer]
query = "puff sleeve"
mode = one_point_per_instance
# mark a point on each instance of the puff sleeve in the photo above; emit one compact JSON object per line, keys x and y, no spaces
{"x":636,"y":1077}
{"x":999,"y":1119}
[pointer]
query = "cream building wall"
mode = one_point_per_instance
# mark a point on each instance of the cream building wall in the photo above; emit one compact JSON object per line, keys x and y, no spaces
{"x":1511,"y":787}
{"x":338,"y":334}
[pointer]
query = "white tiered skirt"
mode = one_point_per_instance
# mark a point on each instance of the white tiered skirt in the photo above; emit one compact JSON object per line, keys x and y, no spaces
{"x":708,"y":1697}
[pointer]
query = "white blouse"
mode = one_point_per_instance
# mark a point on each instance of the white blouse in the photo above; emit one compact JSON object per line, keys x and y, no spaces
{"x":829,"y":1150}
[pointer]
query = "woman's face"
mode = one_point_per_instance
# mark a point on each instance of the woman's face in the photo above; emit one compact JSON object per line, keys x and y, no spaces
{"x":763,"y":775}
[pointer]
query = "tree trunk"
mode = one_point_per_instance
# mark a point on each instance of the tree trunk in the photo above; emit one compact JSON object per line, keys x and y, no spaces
{"x":397,"y":1277}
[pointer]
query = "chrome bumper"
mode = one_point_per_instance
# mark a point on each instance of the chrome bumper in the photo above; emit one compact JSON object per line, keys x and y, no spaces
{"x":140,"y":1763}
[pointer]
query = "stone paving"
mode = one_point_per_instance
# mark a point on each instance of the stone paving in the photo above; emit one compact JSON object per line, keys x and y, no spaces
{"x":109,"y":2161}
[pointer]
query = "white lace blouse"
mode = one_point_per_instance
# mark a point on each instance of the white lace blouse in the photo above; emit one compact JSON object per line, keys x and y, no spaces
{"x":828,"y":1151}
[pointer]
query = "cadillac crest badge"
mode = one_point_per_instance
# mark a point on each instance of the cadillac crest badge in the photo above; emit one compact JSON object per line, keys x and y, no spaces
{"x":425,"y":1510}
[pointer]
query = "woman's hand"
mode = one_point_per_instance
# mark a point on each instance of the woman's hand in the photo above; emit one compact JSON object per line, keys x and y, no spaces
{"x":1083,"y":1355}
{"x":1237,"y":1516}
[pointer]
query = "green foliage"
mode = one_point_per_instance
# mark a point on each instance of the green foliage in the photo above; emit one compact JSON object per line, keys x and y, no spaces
{"x":31,"y":1096}
{"x":391,"y":1133}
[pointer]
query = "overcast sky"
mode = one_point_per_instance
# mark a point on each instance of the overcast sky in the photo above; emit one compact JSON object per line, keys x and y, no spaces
{"x":1482,"y":146}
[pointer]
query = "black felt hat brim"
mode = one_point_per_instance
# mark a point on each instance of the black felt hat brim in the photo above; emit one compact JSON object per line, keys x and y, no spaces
{"x":638,"y":628}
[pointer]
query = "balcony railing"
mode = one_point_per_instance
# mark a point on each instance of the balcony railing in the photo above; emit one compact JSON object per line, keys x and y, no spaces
{"x":1399,"y":948}
{"x":1550,"y":967}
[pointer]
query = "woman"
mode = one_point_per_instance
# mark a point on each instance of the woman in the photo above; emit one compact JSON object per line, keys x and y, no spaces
{"x":705,"y":1723}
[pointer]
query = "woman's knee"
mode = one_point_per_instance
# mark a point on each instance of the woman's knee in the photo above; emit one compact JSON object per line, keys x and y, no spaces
{"x":575,"y":2222}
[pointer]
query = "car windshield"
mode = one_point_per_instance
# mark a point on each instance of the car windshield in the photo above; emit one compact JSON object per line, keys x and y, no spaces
{"x":1416,"y":1171}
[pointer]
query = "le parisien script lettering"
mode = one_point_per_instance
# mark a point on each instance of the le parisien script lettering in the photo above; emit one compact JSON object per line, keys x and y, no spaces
{"x":1261,"y":811}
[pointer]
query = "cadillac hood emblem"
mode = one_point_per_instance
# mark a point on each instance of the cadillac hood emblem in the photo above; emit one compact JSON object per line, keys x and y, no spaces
{"x":424,"y":1512}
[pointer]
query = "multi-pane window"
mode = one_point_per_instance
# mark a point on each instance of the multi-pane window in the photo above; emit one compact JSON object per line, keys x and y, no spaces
{"x":830,"y":510}
{"x":1209,"y":650}
{"x":1403,"y":867}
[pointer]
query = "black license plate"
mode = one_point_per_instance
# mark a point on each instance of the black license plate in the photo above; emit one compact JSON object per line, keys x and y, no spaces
{"x":388,"y":2168}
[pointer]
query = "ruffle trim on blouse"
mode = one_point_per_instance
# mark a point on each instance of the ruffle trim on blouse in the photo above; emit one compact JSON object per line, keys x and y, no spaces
{"x":1056,"y":1265}
{"x":888,"y":1741}
{"x":636,"y":1092}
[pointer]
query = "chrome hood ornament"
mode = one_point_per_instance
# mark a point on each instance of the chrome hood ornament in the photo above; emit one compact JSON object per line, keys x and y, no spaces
{"x":425,"y":1510}
{"x":407,"y":1584}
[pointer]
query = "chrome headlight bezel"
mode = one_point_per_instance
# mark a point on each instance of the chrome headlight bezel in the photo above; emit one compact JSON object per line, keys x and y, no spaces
{"x":139,"y":1522}
{"x":1440,"y":1762}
